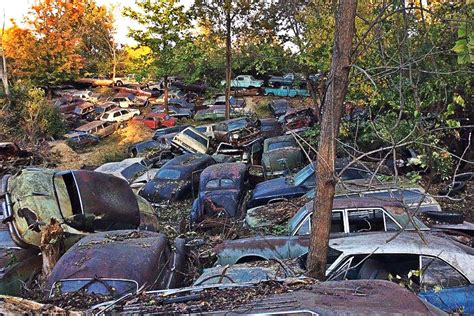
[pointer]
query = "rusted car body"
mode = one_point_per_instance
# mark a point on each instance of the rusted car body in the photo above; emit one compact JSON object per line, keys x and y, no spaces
{"x":279,"y":107}
{"x":349,"y":216}
{"x":270,"y":128}
{"x":235,"y":130}
{"x":177,"y":179}
{"x":280,"y":155}
{"x":250,"y":152}
{"x":85,"y":201}
{"x":295,"y":297}
{"x":298,"y":120}
{"x":221,"y":191}
{"x":116,"y":263}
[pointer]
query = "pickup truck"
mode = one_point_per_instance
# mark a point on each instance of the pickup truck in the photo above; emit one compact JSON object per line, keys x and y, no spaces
{"x":286,"y":92}
{"x":286,"y":80}
{"x":244,"y":81}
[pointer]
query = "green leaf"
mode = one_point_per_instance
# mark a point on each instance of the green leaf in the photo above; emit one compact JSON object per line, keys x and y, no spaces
{"x":462,"y":30}
{"x":460,"y":47}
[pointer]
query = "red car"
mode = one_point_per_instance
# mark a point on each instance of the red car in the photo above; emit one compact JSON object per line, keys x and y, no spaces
{"x":156,"y":120}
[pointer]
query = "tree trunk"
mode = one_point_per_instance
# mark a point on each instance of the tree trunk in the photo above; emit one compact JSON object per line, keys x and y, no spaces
{"x":331,"y":117}
{"x":114,"y":65}
{"x":4,"y":65}
{"x":228,"y":60}
{"x":51,"y":246}
{"x":165,"y":100}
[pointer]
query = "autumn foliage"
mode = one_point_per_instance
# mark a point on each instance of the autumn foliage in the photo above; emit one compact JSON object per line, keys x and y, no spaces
{"x":50,"y":49}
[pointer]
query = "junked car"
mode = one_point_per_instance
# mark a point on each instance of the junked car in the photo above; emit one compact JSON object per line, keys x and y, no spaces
{"x":82,"y":110}
{"x":207,"y":129}
{"x":286,"y":92}
{"x":349,"y":216}
{"x":86,"y":95}
{"x":279,"y":107}
{"x":285,"y":80}
{"x":127,"y":169}
{"x":270,"y":128}
{"x":191,"y":141}
{"x":168,"y":130}
{"x":244,"y":81}
{"x":298,"y":120}
{"x":237,"y":131}
{"x":143,"y":148}
{"x":82,"y":140}
{"x":116,"y":263}
{"x":296,"y":185}
{"x":155,"y":120}
{"x":98,"y":128}
{"x":102,"y":108}
{"x":286,"y":297}
{"x":221,"y":191}
{"x":212,"y":113}
{"x":235,"y":103}
{"x":84,"y":201}
{"x":439,"y":270}
{"x":119,"y":115}
{"x":178,"y":179}
{"x":280,"y":155}
{"x":173,"y":111}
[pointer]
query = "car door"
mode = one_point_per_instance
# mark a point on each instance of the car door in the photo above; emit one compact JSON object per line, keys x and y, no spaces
{"x":118,"y":116}
{"x":445,"y":287}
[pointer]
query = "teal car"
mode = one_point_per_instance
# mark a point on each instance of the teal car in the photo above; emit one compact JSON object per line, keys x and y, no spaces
{"x":286,"y":92}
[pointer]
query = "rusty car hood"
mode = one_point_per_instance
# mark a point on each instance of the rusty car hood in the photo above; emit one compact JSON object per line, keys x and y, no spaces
{"x":129,"y":255}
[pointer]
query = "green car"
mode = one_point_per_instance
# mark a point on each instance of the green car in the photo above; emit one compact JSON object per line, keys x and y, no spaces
{"x":281,"y":154}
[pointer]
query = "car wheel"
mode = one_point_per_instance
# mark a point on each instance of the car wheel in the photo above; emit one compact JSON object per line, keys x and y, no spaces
{"x":453,"y":188}
{"x":270,"y":94}
{"x":119,"y":83}
{"x":445,"y":217}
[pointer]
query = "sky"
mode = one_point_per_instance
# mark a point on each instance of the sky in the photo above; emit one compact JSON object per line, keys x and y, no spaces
{"x":16,"y":9}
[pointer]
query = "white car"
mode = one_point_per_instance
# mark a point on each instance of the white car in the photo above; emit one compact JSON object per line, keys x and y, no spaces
{"x":85,"y":95}
{"x":207,"y":129}
{"x":119,"y":115}
{"x":122,"y":102}
{"x":127,"y":169}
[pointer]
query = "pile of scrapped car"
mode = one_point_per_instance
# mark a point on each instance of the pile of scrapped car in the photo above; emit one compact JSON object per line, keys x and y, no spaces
{"x":250,"y":175}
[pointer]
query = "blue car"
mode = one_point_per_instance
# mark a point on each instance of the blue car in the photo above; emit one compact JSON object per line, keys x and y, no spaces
{"x":286,"y":92}
{"x":221,"y":191}
{"x":296,"y":185}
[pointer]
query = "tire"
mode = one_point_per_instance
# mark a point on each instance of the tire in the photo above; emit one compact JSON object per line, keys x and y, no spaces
{"x":453,"y":189}
{"x":445,"y":217}
{"x":119,"y":83}
{"x":466,"y":176}
{"x":270,"y":94}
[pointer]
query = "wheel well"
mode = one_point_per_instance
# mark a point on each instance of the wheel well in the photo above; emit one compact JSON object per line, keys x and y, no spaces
{"x":252,"y":258}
